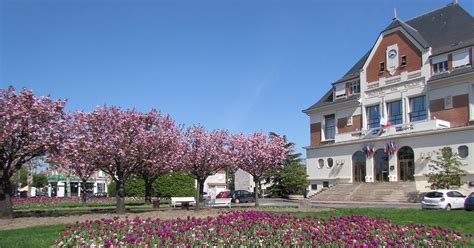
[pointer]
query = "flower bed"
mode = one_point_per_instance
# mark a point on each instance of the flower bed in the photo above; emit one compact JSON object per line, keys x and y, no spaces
{"x":255,"y":228}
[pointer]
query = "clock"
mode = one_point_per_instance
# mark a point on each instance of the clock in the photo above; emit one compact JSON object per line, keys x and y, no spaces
{"x":392,"y":53}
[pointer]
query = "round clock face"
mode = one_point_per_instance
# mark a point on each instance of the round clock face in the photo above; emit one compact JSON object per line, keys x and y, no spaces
{"x":392,"y":53}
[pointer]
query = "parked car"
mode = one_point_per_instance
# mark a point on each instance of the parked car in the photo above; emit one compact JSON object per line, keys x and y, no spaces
{"x":443,"y":199}
{"x":239,"y":196}
{"x":469,"y":202}
{"x":224,"y":194}
{"x":100,"y":194}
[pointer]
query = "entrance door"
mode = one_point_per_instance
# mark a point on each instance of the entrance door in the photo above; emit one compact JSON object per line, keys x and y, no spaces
{"x":407,"y":170}
{"x":54,"y":189}
{"x":381,"y":166}
{"x":406,"y":164}
{"x":358,"y":163}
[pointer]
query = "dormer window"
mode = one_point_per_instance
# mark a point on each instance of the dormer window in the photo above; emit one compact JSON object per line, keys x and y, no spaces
{"x":382,"y":67}
{"x":460,"y":59}
{"x":354,"y":88}
{"x":439,"y":64}
{"x":340,"y":90}
{"x":440,"y":67}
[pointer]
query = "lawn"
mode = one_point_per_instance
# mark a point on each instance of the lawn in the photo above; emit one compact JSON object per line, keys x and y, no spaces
{"x":44,"y":236}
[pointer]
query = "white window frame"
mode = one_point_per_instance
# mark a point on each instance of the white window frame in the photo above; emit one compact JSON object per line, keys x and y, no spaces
{"x":471,"y":102}
{"x":352,"y":86}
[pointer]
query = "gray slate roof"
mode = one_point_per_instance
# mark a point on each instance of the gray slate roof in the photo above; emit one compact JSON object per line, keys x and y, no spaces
{"x":444,"y":29}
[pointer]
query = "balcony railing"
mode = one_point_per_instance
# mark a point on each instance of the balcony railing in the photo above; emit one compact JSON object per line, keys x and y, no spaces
{"x":393,"y":130}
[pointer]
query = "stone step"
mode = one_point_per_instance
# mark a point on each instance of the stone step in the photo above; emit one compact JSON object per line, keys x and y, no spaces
{"x":386,"y":191}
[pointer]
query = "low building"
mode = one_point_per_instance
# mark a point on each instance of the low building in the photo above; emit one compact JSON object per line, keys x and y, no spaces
{"x":61,"y":184}
{"x":216,"y":182}
{"x":244,"y":181}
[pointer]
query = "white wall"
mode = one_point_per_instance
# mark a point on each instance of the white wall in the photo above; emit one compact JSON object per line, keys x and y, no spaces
{"x":420,"y":144}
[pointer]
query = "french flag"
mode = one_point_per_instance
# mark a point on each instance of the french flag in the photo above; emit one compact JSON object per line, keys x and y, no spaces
{"x":384,"y":122}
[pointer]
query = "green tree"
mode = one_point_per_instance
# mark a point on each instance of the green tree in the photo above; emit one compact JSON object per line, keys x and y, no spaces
{"x":291,"y":179}
{"x":133,"y":187}
{"x":40,"y":180}
{"x":174,"y":184}
{"x":448,"y":171}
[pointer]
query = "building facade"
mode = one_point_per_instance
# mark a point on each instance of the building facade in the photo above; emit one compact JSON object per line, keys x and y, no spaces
{"x":411,"y":94}
{"x":216,"y":182}
{"x":60,"y":184}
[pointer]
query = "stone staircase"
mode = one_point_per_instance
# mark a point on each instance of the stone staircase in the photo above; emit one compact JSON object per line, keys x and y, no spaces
{"x":366,"y":192}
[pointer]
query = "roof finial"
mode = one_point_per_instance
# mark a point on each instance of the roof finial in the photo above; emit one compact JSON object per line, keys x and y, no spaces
{"x":455,"y":1}
{"x":394,"y":13}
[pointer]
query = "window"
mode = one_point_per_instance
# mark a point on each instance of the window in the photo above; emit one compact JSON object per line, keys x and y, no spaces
{"x":320,"y":163}
{"x":325,"y":184}
{"x":404,"y":60}
{"x":418,"y":109}
{"x":373,"y":120}
{"x":448,"y":102}
{"x":394,"y":110}
{"x":440,"y":67}
{"x":463,"y":151}
{"x":314,"y":187}
{"x":340,"y":90}
{"x":100,"y":187}
{"x":354,"y":88}
{"x":329,"y":127}
{"x":434,"y":194}
{"x":382,"y":67}
{"x":330,"y":162}
{"x":460,"y":58}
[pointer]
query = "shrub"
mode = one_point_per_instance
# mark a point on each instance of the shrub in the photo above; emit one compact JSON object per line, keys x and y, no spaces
{"x":174,"y":184}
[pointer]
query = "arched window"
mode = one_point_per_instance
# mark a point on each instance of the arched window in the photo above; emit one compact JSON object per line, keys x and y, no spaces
{"x":320,"y":163}
{"x":463,"y":151}
{"x":330,"y":162}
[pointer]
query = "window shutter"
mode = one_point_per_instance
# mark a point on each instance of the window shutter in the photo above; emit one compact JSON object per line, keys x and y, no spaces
{"x":340,"y":90}
{"x":460,"y":58}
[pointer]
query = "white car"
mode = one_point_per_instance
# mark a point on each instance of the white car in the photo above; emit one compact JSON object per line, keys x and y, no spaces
{"x":443,"y":199}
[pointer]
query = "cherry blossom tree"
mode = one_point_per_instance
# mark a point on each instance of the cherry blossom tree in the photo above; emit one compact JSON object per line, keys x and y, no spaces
{"x":164,"y":139}
{"x":118,"y":143}
{"x":76,"y":153}
{"x":258,"y":153}
{"x":30,"y":127}
{"x":206,"y":153}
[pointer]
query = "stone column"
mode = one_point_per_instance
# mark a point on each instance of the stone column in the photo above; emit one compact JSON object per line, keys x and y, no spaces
{"x":369,"y":170}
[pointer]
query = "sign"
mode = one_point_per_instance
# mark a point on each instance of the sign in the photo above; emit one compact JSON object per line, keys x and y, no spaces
{"x":392,"y":59}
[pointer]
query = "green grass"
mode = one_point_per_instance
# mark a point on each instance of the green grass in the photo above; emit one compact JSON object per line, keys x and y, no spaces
{"x":38,"y":236}
{"x":44,"y":236}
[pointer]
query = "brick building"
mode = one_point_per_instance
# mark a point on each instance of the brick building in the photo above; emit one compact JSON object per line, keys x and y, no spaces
{"x":411,"y":94}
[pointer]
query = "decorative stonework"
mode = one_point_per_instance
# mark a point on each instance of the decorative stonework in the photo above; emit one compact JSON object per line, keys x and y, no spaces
{"x":394,"y":87}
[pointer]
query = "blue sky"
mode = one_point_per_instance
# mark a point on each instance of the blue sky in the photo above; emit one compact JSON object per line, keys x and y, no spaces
{"x":240,"y":65}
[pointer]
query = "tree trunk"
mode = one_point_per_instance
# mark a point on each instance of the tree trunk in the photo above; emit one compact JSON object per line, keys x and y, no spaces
{"x":120,"y":197}
{"x":29,"y":182}
{"x":6,"y":208}
{"x":256,"y":189}
{"x":83,"y":192}
{"x":149,"y":192}
{"x":199,"y":192}
{"x":68,"y":187}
